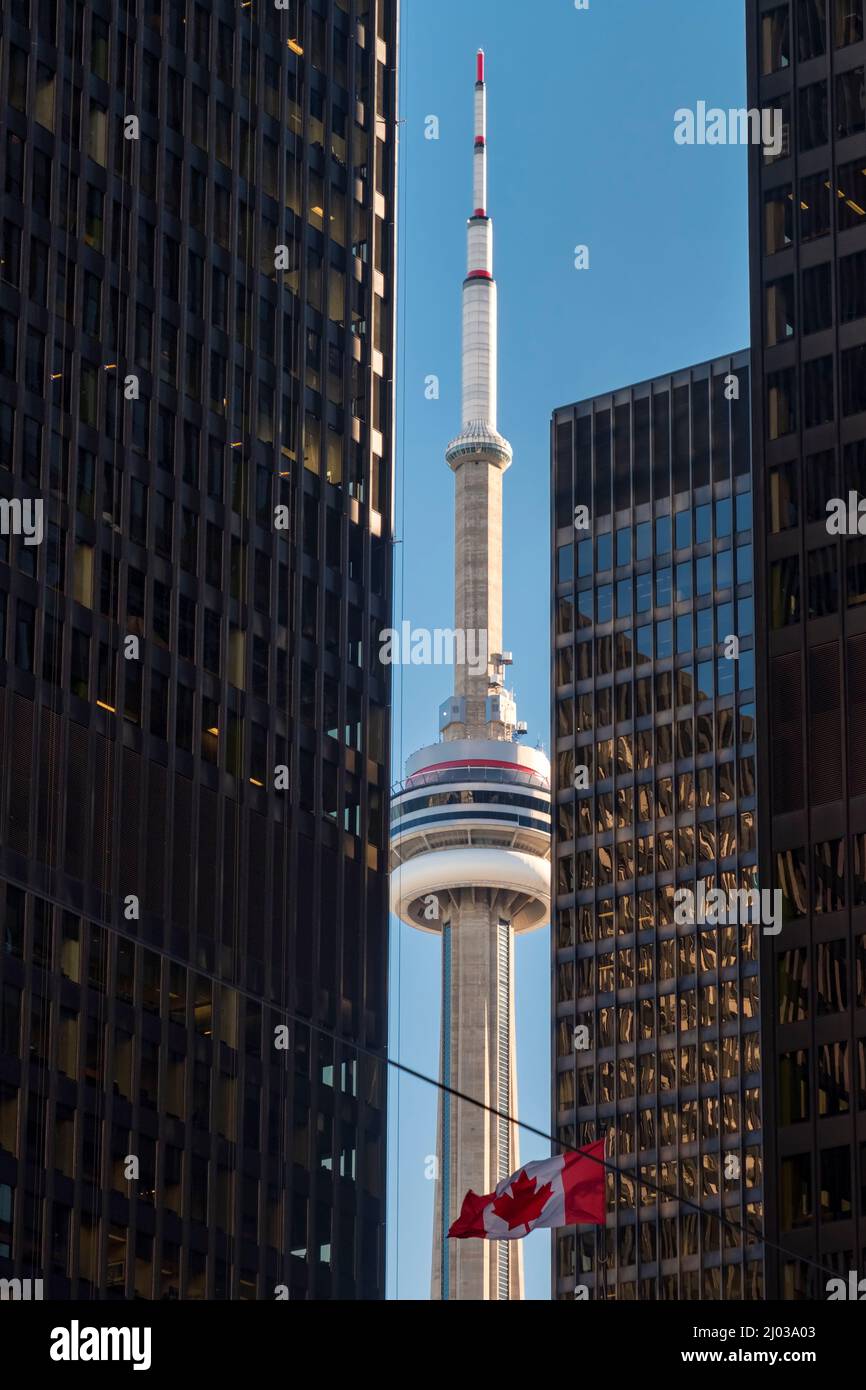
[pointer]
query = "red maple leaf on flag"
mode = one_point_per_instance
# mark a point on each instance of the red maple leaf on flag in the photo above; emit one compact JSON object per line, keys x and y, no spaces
{"x":523,"y":1203}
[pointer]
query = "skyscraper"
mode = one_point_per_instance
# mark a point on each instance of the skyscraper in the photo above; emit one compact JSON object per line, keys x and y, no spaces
{"x":656,"y":1020}
{"x":808,"y":259}
{"x":196,"y":327}
{"x":471,"y":824}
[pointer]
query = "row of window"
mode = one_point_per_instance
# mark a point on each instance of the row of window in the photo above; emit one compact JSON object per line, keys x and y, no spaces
{"x":622,"y":966}
{"x":814,"y":124}
{"x":816,"y":299}
{"x":590,"y":975}
{"x":721,"y":676}
{"x":777,"y":36}
{"x":791,"y":500}
{"x":626,"y":754}
{"x":151,"y":429}
{"x":699,"y":579}
{"x":826,"y":581}
{"x":650,"y":800}
{"x":184,"y":25}
{"x":138,"y":1265}
{"x":693,"y":577}
{"x":715,"y":839}
{"x":672,"y":441}
{"x":151,"y":1259}
{"x":148,"y":516}
{"x":832,"y":989}
{"x":234,"y":1111}
{"x":659,"y":853}
{"x":787,"y":409}
{"x":812,"y":211}
{"x":699,"y":628}
{"x":632,"y":912}
{"x":835,"y":1187}
{"x":729,"y":1281}
{"x":606,"y":705}
{"x":689,"y":526}
{"x":829,"y":892}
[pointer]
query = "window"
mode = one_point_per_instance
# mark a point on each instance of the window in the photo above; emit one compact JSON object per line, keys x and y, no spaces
{"x":663,"y":588}
{"x":778,"y":219}
{"x":814,"y":206}
{"x":38,"y":271}
{"x":818,"y":404}
{"x":10,"y":253}
{"x":785,"y":591}
{"x":779,"y":318}
{"x":683,"y":530}
{"x":44,"y":105}
{"x":850,"y":110}
{"x":34,"y":361}
{"x":780,"y":107}
{"x":829,"y":870}
{"x":823,"y":581}
{"x":851,"y":195}
{"x":775,"y":39}
{"x":781,"y":403}
{"x":831,"y":976}
{"x":25,"y":626}
{"x":853,"y":369}
{"x":814,"y":125}
{"x":14,"y":183}
{"x":848,"y":22}
{"x":99,"y":48}
{"x":835,"y":1184}
{"x":93,"y":217}
{"x":795,"y":1193}
{"x":817,"y":298}
{"x":604,"y":603}
{"x":664,"y":639}
{"x":97,"y":133}
{"x":794,"y":1087}
{"x":852,"y":287}
{"x":159,"y":705}
{"x":811,"y":28}
{"x":820,"y":475}
{"x":184,"y":717}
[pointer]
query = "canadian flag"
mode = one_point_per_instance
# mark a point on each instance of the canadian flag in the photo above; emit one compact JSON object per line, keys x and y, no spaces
{"x":559,"y":1191}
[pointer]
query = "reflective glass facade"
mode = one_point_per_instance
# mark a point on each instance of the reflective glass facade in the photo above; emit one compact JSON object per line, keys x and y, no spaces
{"x":806,"y":59}
{"x":196,"y":319}
{"x":656,"y":1024}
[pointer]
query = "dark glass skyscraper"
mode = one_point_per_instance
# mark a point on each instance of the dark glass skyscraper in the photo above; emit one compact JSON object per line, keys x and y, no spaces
{"x":196,"y":328}
{"x":656,"y":1022}
{"x":808,"y":254}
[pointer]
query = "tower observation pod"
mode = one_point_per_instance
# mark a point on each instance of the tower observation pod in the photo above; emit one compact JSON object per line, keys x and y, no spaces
{"x":470,"y":825}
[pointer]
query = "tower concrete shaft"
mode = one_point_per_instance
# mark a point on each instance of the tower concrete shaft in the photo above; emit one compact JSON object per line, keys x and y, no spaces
{"x":477,"y":1149}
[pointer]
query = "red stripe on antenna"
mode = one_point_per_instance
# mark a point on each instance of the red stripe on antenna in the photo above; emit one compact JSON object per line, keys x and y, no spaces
{"x":480,"y":67}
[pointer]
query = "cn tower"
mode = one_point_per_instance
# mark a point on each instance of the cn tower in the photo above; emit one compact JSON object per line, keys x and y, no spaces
{"x":470,"y":832}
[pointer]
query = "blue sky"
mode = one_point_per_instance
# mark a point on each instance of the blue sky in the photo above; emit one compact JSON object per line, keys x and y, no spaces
{"x":581,"y":149}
